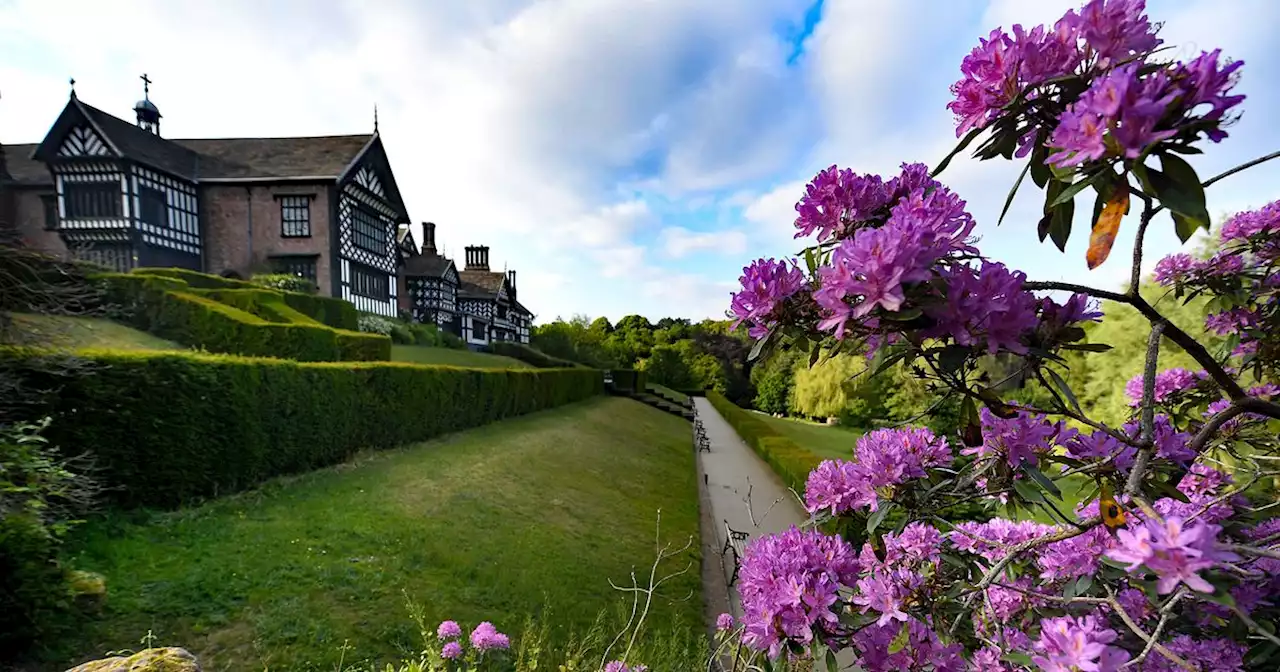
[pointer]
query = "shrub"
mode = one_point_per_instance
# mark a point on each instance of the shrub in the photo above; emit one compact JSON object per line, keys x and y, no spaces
{"x":452,"y":340}
{"x":170,"y":428}
{"x":531,"y":356}
{"x":284,"y":282}
{"x":791,"y":461}
{"x":402,"y":335}
{"x":326,"y":310}
{"x":630,"y":380}
{"x":244,"y":321}
{"x":195,"y":278}
{"x":374,"y":324}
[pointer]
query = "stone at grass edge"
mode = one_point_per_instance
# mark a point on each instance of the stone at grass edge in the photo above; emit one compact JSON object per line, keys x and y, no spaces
{"x":169,"y":659}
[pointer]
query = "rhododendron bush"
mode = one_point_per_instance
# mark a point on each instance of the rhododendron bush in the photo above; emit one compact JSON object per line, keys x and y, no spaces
{"x":1172,"y":559}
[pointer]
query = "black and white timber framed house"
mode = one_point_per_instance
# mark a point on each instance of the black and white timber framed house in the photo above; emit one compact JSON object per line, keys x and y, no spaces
{"x":473,"y":303}
{"x":117,"y":193}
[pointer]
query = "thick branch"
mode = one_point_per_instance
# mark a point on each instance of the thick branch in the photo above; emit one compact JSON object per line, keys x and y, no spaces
{"x":1146,"y":445}
{"x":1135,"y":274}
{"x":1237,"y":407}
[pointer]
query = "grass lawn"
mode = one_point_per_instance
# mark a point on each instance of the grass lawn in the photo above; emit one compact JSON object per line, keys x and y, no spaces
{"x":488,"y":524}
{"x":83,"y":332}
{"x":826,"y":441}
{"x":419,"y":354}
{"x":678,"y":396}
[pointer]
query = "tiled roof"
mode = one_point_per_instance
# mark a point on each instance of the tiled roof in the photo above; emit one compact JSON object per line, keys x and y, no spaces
{"x":24,"y":169}
{"x":432,"y":265}
{"x":470,"y":290}
{"x":520,"y":308}
{"x":231,"y":158}
{"x":488,"y":282}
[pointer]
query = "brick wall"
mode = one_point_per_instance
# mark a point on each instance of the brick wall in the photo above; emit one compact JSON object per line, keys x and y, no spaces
{"x":227,"y":245}
{"x":29,"y":212}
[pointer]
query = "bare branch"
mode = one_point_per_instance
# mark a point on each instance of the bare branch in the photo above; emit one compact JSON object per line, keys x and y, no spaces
{"x":1135,"y":276}
{"x":1145,"y":445}
{"x":1237,"y":407}
{"x":1150,"y":641}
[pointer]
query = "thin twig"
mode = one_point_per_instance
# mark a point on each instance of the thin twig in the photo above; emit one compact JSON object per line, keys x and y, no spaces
{"x":1150,"y":641}
{"x":1145,"y":445}
{"x":1166,"y":612}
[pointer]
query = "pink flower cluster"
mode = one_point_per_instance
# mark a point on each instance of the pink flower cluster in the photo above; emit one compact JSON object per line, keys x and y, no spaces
{"x":1069,"y":644}
{"x":789,"y":585}
{"x":1020,"y":439}
{"x":619,"y":666}
{"x":485,"y":637}
{"x":885,"y":458}
{"x":838,"y":202}
{"x":1174,"y":551}
{"x":766,"y":283}
{"x":1167,"y":383}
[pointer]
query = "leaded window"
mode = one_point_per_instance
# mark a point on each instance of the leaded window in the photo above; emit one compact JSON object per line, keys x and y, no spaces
{"x":477,"y":330}
{"x":368,"y":231}
{"x":369,"y":282}
{"x":299,"y":267}
{"x":153,"y":207}
{"x":50,"y":203}
{"x":92,"y":200}
{"x":295,"y":216}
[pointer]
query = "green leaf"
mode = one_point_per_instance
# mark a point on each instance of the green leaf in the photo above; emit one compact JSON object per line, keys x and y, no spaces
{"x":901,"y":640}
{"x":1027,"y":491}
{"x":1060,"y":227}
{"x":833,"y":665}
{"x":1070,"y":192}
{"x":1185,"y":227}
{"x":1040,"y":173}
{"x":1044,"y":481}
{"x":1087,"y":347}
{"x":877,"y":516}
{"x":1178,"y":188}
{"x":968,"y":138}
{"x":759,"y":347}
{"x":952,"y":357}
{"x":1073,"y":334}
{"x":1008,"y":201}
{"x":1064,"y":388}
{"x":810,"y":260}
{"x":1083,"y":584}
{"x":1018,"y":659}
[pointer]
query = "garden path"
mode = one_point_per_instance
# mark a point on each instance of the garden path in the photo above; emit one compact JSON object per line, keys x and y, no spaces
{"x":730,"y":474}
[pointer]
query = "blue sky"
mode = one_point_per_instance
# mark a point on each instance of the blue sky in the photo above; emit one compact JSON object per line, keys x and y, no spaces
{"x":623,"y":157}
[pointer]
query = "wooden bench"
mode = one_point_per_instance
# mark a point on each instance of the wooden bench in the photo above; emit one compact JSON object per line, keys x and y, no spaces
{"x":700,"y":437}
{"x":735,"y":542}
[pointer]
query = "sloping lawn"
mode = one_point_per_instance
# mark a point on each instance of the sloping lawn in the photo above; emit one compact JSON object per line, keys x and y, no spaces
{"x":489,"y":524}
{"x":827,"y":442}
{"x":678,"y":396}
{"x":419,"y":354}
{"x":61,"y":331}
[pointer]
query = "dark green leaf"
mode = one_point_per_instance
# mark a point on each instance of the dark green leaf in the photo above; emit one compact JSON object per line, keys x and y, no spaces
{"x":1083,"y":584}
{"x":1008,"y":201}
{"x":952,"y":357}
{"x":877,"y":516}
{"x":1185,"y":227}
{"x":1019,"y":659}
{"x":1069,"y":590}
{"x":1185,"y":149}
{"x":759,"y":347}
{"x":1071,"y":191}
{"x":1040,"y":173}
{"x":814,"y":354}
{"x":1060,"y":228}
{"x":1044,"y":481}
{"x":1064,"y":388}
{"x":1087,"y":347}
{"x":832,"y":664}
{"x":1073,"y":334}
{"x":968,"y":138}
{"x":1027,"y":491}
{"x":810,"y":261}
{"x":1179,"y":190}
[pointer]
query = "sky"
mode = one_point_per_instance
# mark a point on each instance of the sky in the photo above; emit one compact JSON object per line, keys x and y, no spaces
{"x":623,"y":156}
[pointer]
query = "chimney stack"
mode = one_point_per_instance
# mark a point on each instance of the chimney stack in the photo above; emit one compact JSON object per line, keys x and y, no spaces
{"x":477,"y":258}
{"x":511,"y":282}
{"x":428,"y":238}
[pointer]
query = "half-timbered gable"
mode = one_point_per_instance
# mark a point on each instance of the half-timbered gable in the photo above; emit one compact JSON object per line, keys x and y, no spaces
{"x":370,"y":211}
{"x":125,"y":197}
{"x":432,"y":282}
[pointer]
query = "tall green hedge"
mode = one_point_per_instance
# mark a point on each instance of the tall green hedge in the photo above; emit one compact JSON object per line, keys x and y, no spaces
{"x":170,"y":428}
{"x":630,"y":380}
{"x":244,"y":321}
{"x":531,"y":356}
{"x":791,"y":461}
{"x":336,"y":313}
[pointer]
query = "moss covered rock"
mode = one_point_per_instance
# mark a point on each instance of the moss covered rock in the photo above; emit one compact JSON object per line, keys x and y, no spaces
{"x":169,"y":659}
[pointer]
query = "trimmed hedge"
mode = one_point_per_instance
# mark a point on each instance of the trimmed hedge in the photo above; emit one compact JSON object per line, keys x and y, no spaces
{"x":172,"y":428}
{"x":252,"y":322}
{"x":336,"y":313}
{"x":791,"y":461}
{"x":531,"y":356}
{"x":630,"y":380}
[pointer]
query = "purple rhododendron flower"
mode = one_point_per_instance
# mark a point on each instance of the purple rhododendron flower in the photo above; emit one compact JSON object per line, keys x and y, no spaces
{"x":1203,"y":82}
{"x":1207,"y":655}
{"x":486,"y":637}
{"x":619,"y":666}
{"x":992,"y":539}
{"x":1114,"y":29}
{"x":1136,"y":604}
{"x":1174,"y":551}
{"x":988,"y":304}
{"x":1175,"y":267}
{"x":788,"y":583}
{"x":449,"y":630}
{"x":923,"y":649}
{"x":1168,"y":382}
{"x":1079,"y":308}
{"x":1074,"y":557}
{"x":1171,"y":444}
{"x":917,"y":543}
{"x":885,"y":458}
{"x":836,"y":200}
{"x":1245,"y":225}
{"x":765,"y":284}
{"x":724,"y":622}
{"x":1121,"y":107}
{"x":451,"y":651}
{"x":1069,"y":644}
{"x":1019,"y":439}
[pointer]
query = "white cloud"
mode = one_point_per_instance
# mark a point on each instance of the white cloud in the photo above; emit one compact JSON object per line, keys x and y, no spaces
{"x":678,"y":241}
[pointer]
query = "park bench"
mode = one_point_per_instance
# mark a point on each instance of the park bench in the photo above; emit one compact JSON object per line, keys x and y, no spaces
{"x":735,"y":543}
{"x":700,"y":437}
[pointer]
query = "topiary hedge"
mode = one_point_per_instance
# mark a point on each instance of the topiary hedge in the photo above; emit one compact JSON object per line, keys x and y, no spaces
{"x":171,"y":428}
{"x":244,"y":321}
{"x":791,"y":461}
{"x":530,"y":355}
{"x":336,"y":313}
{"x":631,"y":380}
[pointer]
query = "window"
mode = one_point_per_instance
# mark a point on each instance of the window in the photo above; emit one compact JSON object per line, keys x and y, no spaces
{"x":368,"y":232}
{"x":295,"y":216}
{"x":369,"y":282}
{"x":93,"y":200}
{"x":153,"y":208}
{"x":299,"y":267}
{"x":477,"y":330}
{"x":50,"y":203}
